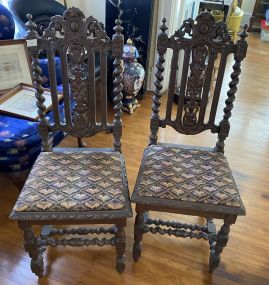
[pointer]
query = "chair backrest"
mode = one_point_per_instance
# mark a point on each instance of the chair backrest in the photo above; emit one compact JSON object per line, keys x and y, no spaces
{"x":201,"y":41}
{"x":78,"y":41}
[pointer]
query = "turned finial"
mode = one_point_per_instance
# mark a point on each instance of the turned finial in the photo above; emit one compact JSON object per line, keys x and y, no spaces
{"x":163,"y":27}
{"x":31,"y":26}
{"x":29,"y":17}
{"x":244,"y":33}
{"x":118,"y":28}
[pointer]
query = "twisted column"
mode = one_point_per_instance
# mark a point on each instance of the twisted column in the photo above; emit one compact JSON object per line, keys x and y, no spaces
{"x":117,"y":47}
{"x":80,"y":241}
{"x":155,"y":118}
{"x":176,"y":232}
{"x":193,"y":227}
{"x":239,"y":55}
{"x":225,"y":124}
{"x":32,"y":35}
{"x":82,"y":231}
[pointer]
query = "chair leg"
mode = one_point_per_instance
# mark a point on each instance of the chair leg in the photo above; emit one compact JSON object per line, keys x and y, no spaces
{"x":138,"y":233}
{"x":81,"y":143}
{"x":31,"y":246}
{"x":120,"y":246}
{"x":222,"y":239}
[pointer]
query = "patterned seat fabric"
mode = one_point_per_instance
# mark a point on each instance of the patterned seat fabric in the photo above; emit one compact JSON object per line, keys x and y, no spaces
{"x":186,"y":174}
{"x":75,"y":181}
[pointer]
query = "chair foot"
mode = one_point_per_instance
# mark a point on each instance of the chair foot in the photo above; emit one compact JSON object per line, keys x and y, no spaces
{"x":138,"y":235}
{"x":214,"y":261}
{"x":137,"y":251}
{"x":37,"y":266}
{"x":222,"y":240}
{"x":120,"y":264}
{"x":81,"y":143}
{"x":31,"y":246}
{"x":120,"y":248}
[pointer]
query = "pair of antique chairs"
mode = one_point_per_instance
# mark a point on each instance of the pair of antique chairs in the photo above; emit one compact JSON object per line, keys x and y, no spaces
{"x":89,"y":186}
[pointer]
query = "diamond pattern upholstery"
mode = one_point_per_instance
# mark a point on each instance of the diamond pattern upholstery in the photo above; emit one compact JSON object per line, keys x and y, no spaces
{"x":75,"y":181}
{"x":186,"y":174}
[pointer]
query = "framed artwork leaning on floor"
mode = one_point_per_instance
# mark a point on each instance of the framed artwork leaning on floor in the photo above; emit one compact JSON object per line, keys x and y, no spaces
{"x":21,"y":102}
{"x":14,"y":64}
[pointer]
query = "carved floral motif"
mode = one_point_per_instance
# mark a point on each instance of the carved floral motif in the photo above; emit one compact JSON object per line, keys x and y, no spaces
{"x":195,"y":85}
{"x":78,"y":84}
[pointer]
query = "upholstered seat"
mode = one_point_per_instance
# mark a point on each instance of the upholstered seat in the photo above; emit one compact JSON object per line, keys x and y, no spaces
{"x":76,"y":186}
{"x":75,"y":181}
{"x":189,"y":180}
{"x":20,"y":142}
{"x":180,"y":173}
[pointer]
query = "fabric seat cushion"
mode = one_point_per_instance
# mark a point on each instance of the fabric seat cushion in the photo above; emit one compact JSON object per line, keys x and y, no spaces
{"x":20,"y":142}
{"x":186,"y":174}
{"x":20,"y":161}
{"x":75,"y":181}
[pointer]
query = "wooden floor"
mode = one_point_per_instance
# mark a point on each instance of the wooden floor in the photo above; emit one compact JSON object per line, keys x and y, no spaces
{"x":168,"y":260}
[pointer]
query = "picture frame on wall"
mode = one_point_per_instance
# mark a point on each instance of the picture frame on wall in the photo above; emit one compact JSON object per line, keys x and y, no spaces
{"x":15,"y":65}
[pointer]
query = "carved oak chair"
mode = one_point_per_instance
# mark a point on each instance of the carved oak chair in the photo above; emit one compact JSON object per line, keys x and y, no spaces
{"x":184,"y":179}
{"x":77,"y":185}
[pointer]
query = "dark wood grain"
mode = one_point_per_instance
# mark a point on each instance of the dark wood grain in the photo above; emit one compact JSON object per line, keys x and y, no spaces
{"x":201,"y":40}
{"x":77,"y":39}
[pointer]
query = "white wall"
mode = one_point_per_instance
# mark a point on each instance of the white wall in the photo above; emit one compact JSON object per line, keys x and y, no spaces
{"x":164,"y":10}
{"x":247,"y":7}
{"x":175,"y":11}
{"x":96,"y":8}
{"x":4,"y":2}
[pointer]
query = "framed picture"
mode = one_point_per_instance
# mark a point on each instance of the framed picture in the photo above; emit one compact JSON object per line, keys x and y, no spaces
{"x":21,"y":102}
{"x":14,"y":64}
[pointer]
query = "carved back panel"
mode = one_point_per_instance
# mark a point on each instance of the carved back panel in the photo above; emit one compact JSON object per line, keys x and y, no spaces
{"x":202,"y":41}
{"x":78,"y":41}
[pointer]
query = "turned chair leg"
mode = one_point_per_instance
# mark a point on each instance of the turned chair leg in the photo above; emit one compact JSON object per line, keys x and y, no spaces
{"x":81,"y":143}
{"x":138,"y":234}
{"x":120,"y":247}
{"x":31,"y":246}
{"x":222,"y":239}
